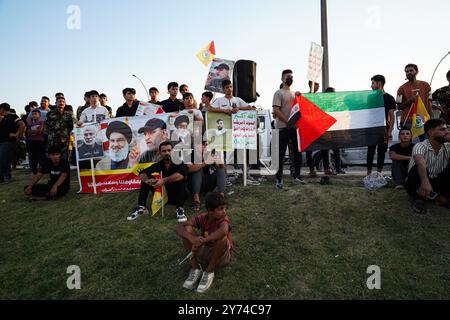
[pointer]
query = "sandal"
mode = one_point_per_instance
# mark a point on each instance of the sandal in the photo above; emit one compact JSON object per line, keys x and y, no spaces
{"x":419,"y":207}
{"x":195,"y":206}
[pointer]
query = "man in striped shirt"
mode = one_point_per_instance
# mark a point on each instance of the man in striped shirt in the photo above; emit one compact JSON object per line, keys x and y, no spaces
{"x":429,"y":169}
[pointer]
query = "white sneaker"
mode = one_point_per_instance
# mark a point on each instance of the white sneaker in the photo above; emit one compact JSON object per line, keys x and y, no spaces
{"x":192,"y":279}
{"x":252,"y":181}
{"x":205,"y":282}
{"x":300,"y":181}
{"x":181,"y":217}
{"x":139,"y":211}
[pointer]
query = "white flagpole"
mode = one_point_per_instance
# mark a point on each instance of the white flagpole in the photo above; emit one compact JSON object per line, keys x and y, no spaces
{"x":162,"y":196}
{"x":245,"y":167}
{"x":93,"y":176}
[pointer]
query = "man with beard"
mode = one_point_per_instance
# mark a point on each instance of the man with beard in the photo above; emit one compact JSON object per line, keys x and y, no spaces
{"x":58,"y":126}
{"x":429,"y":169}
{"x":219,"y":135}
{"x":90,"y":148}
{"x":155,"y":132}
{"x":409,"y":93}
{"x":119,"y":135}
{"x":173,"y":179}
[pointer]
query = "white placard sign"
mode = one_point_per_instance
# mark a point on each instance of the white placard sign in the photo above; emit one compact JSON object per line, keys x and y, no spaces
{"x":244,"y":130}
{"x":315,"y":61}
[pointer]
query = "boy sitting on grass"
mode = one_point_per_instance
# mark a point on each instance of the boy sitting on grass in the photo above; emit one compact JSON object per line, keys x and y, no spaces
{"x":213,"y":247}
{"x":59,"y":184}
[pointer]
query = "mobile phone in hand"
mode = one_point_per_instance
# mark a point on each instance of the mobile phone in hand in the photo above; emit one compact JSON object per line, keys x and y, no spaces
{"x":432,"y":195}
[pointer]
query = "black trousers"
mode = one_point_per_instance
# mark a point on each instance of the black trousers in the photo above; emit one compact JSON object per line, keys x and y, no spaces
{"x":440,"y":184}
{"x":176,"y":193}
{"x":43,"y":190}
{"x":325,"y":158}
{"x":36,"y":153}
{"x":286,"y":135}
{"x":382,"y":148}
{"x":399,"y":171}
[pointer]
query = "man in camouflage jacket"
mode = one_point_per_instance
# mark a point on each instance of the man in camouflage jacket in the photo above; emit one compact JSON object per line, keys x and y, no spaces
{"x":58,"y":126}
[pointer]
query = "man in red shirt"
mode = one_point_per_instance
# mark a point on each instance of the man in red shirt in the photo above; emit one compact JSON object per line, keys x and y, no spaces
{"x":212,"y":247}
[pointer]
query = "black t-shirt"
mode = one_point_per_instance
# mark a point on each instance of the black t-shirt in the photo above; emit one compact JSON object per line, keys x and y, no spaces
{"x":8,"y":125}
{"x":170,"y":105}
{"x":126,"y":111}
{"x":397,"y":148}
{"x":389,"y":104}
{"x":160,"y":167}
{"x":56,"y":171}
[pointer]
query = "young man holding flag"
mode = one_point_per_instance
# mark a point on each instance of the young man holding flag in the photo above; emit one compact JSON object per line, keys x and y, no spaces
{"x":410,"y":94}
{"x":283,"y":101}
{"x":172,"y":180}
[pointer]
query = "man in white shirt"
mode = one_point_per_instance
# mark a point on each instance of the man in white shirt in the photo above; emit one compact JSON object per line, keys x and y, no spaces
{"x":229,"y":104}
{"x":95,"y":113}
{"x":429,"y":169}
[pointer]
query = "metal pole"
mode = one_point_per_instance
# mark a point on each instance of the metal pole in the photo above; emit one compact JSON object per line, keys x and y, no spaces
{"x":448,"y":53}
{"x":145,"y":88}
{"x":325,"y":67}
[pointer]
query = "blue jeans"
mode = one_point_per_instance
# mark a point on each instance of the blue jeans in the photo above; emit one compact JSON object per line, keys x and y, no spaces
{"x":6,"y":149}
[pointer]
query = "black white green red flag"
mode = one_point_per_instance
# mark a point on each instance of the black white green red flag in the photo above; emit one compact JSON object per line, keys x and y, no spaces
{"x":335,"y":120}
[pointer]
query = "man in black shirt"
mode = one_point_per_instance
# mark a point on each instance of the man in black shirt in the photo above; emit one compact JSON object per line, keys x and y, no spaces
{"x":172,"y":104}
{"x":59,"y":184}
{"x":378,"y":82}
{"x":129,"y":108}
{"x":400,"y":155}
{"x":104,"y":103}
{"x":154,"y":93}
{"x":173,"y":179}
{"x":80,"y":109}
{"x":11,"y":130}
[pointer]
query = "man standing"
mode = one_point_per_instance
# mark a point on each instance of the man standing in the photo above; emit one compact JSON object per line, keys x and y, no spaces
{"x":119,"y":135}
{"x":58,"y":126}
{"x":429,"y":169}
{"x":80,"y":109}
{"x":95,"y":113}
{"x":173,"y":104}
{"x":154,"y":93}
{"x":11,"y":130}
{"x":378,"y":82}
{"x":229,"y":104}
{"x":129,"y":108}
{"x":68,"y":107}
{"x":183,"y":89}
{"x":173,"y":179}
{"x":36,"y":141}
{"x":441,"y":98}
{"x":90,"y":148}
{"x":400,"y":155}
{"x":409,"y":92}
{"x":283,"y":100}
{"x":104,"y":103}
{"x":207,"y":97}
{"x":59,"y":184}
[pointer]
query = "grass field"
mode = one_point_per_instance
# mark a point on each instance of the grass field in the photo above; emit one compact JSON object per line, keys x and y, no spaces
{"x":304,"y":242}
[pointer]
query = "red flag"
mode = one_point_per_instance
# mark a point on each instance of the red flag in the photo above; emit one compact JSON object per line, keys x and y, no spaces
{"x":313,"y":122}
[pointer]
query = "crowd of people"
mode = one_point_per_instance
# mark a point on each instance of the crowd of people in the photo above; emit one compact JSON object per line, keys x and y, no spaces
{"x":422,"y":169}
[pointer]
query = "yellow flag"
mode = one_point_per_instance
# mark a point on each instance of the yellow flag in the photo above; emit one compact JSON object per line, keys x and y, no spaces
{"x":420,"y":116}
{"x":207,"y":54}
{"x":159,"y":197}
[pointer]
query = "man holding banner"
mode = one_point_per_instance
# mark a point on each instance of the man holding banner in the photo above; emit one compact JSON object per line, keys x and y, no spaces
{"x":173,"y":178}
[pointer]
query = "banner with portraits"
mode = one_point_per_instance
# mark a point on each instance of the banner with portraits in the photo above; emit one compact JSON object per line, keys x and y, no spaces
{"x":219,"y":71}
{"x":123,"y":147}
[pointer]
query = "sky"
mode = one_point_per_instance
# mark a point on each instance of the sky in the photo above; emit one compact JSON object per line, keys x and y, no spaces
{"x":48,"y":46}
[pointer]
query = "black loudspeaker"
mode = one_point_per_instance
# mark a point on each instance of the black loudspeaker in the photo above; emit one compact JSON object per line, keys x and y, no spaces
{"x":244,"y":80}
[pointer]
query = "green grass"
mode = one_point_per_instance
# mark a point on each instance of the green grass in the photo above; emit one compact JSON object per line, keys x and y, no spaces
{"x":304,"y":242}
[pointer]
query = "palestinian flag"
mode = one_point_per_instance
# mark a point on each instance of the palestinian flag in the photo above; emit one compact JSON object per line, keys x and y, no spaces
{"x":335,"y":120}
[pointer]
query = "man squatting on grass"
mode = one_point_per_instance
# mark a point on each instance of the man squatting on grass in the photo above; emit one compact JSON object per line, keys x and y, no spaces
{"x":59,"y":184}
{"x":211,"y":245}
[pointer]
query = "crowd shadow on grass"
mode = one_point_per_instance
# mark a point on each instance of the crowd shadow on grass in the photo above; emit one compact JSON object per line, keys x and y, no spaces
{"x":302,"y":242}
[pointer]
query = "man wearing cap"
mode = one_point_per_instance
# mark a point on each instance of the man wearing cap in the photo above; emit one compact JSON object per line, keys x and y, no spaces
{"x":119,"y":135}
{"x":222,"y":73}
{"x":129,"y":108}
{"x":155,"y":132}
{"x":89,"y":147}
